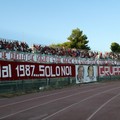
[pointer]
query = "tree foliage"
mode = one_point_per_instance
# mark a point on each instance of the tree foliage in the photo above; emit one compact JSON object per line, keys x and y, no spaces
{"x":77,"y":40}
{"x":115,"y":47}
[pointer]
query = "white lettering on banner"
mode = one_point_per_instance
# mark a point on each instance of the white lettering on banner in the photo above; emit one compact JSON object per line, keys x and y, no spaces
{"x":57,"y":71}
{"x":63,"y":70}
{"x":109,"y":70}
{"x":49,"y":71}
{"x":52,"y":74}
{"x":22,"y":70}
{"x":25,"y":70}
{"x":12,"y":70}
{"x":41,"y":69}
{"x":116,"y":70}
{"x":66,"y":70}
{"x":5,"y":71}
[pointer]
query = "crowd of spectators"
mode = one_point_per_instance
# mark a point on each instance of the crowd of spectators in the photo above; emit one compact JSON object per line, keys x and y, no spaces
{"x":14,"y":45}
{"x":62,"y":51}
{"x":58,"y":51}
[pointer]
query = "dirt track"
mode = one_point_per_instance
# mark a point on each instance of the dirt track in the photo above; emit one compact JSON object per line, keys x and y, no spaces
{"x":99,"y":101}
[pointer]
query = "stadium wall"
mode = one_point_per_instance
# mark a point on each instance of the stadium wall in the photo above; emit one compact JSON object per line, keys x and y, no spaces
{"x":22,"y":75}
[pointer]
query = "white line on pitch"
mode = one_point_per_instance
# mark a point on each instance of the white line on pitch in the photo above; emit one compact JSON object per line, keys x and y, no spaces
{"x":93,"y":114}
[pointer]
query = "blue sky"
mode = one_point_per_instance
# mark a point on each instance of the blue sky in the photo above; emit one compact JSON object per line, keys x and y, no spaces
{"x":52,"y":21}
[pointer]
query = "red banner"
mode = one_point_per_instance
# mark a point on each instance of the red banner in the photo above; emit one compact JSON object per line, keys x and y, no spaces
{"x":108,"y":70}
{"x":27,"y":70}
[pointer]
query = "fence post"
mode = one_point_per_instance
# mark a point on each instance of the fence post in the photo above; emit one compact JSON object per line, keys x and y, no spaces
{"x":68,"y":80}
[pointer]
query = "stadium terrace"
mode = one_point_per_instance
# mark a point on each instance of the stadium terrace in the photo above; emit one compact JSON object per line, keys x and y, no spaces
{"x":16,"y":50}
